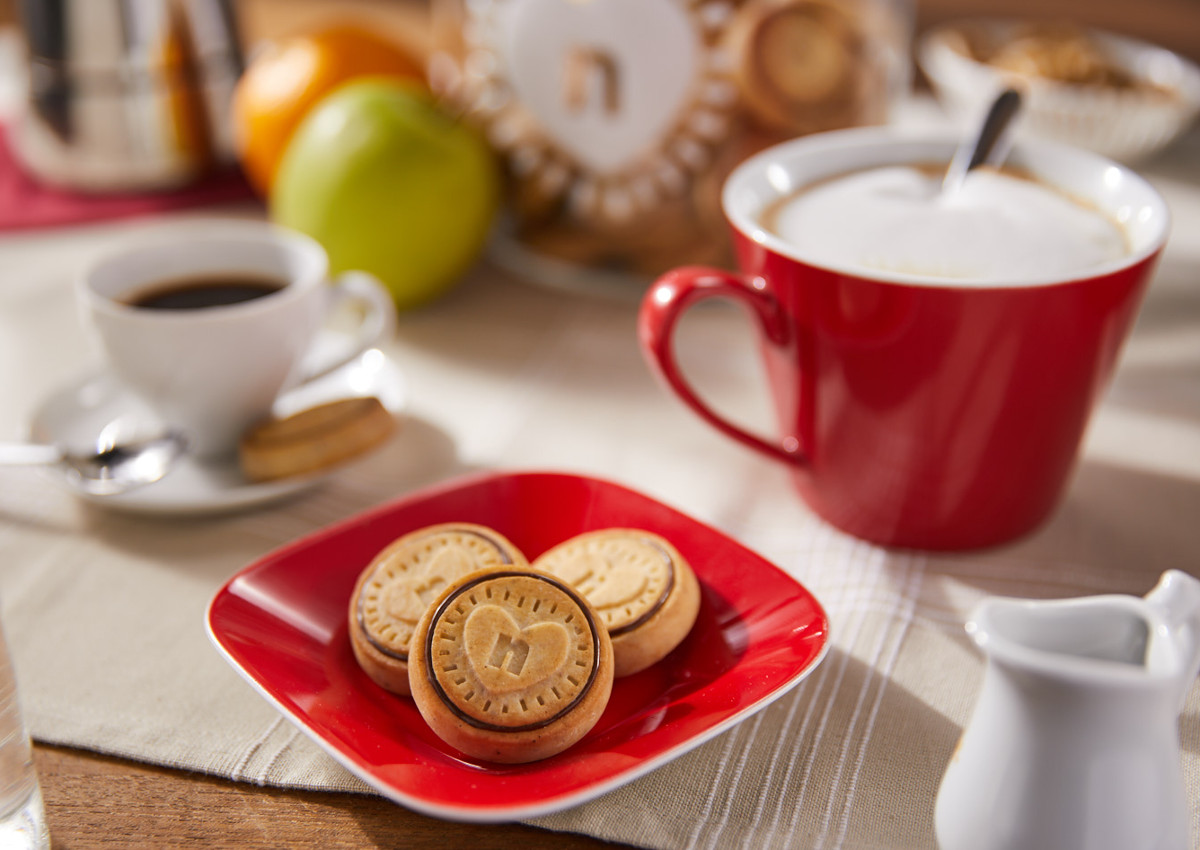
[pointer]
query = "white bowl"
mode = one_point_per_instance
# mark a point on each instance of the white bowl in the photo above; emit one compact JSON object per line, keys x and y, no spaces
{"x":1122,"y":123}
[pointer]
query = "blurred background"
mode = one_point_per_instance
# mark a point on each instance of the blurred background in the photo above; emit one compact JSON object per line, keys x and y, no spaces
{"x":1174,"y":24}
{"x":597,"y":157}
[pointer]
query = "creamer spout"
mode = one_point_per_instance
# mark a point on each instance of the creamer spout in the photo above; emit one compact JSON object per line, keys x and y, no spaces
{"x":1176,"y":598}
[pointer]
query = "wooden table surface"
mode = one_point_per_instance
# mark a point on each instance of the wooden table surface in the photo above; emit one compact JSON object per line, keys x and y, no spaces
{"x":97,"y":801}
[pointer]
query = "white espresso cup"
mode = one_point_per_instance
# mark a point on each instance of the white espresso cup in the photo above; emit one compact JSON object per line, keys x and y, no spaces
{"x":213,"y":371}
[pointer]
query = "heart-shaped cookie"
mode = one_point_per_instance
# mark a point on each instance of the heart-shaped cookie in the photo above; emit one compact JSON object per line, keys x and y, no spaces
{"x":612,"y":105}
{"x":593,"y":75}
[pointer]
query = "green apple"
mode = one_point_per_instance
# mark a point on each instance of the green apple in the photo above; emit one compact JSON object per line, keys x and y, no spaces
{"x":390,"y":184}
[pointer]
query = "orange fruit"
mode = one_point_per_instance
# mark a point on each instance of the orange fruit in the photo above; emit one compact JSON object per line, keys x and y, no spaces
{"x":286,"y":80}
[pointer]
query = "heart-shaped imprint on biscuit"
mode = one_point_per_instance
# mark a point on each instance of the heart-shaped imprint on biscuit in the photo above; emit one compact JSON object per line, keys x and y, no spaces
{"x":509,"y":658}
{"x":602,"y":582}
{"x":511,"y":650}
{"x":407,"y":576}
{"x":624,"y":574}
{"x":407,"y":598}
{"x":510,"y":666}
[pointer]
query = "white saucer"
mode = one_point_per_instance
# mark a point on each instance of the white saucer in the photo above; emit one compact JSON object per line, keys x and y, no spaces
{"x":75,"y":415}
{"x":524,"y":264}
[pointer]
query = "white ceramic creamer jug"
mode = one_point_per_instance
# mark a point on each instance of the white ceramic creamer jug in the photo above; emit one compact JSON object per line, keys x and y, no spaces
{"x":1074,"y":740}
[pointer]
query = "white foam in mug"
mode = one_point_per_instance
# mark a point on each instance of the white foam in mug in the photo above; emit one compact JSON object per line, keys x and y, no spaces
{"x":895,"y":220}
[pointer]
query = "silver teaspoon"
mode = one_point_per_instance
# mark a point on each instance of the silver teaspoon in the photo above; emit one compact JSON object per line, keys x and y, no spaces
{"x":109,"y":470}
{"x":984,"y":148}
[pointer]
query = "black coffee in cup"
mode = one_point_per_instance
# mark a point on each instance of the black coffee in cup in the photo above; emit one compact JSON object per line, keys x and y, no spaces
{"x":198,"y":293}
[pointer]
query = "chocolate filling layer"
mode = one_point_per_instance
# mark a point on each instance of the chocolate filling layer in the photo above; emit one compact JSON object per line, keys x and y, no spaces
{"x":492,"y":727}
{"x":362,"y":618}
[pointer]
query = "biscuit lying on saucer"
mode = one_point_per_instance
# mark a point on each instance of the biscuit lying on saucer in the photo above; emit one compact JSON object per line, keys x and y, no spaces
{"x":314,"y":439}
{"x":397,"y":586}
{"x":641,"y":587}
{"x":510,"y":666}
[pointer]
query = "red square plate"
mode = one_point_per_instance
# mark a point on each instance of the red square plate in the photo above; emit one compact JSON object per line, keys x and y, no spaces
{"x":281,"y":622}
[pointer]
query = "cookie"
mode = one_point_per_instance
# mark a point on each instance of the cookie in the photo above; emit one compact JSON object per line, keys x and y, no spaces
{"x":314,"y":439}
{"x":800,"y":62}
{"x":395,"y":589}
{"x":595,"y":130}
{"x":510,"y":666}
{"x":643,"y":590}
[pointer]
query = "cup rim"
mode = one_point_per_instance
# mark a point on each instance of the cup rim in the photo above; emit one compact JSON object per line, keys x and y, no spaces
{"x":874,"y":138}
{"x":215,"y":232}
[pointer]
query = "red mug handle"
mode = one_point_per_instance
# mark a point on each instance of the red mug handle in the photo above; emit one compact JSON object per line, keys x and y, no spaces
{"x":661,"y":309}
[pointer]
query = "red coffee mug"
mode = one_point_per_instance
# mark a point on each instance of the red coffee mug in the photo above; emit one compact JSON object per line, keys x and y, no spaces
{"x":912,"y":412}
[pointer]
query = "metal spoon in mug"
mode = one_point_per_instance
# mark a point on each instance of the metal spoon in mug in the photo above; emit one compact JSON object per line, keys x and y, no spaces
{"x":985,"y":147}
{"x":112,"y":468}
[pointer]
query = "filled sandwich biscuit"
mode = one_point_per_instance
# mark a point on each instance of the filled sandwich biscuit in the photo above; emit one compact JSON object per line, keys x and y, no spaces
{"x":399,"y":584}
{"x":315,"y":439}
{"x":641,"y":588}
{"x":510,"y":666}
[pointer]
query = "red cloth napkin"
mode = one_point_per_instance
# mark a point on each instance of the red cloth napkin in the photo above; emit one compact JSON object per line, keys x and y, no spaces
{"x":26,"y":204}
